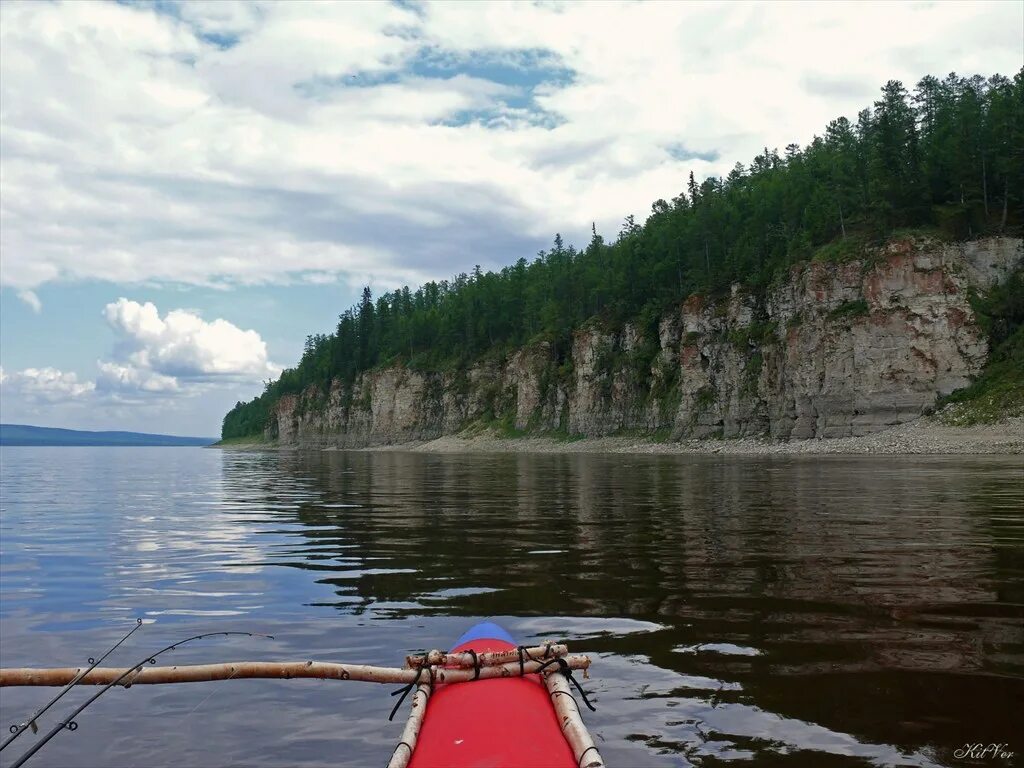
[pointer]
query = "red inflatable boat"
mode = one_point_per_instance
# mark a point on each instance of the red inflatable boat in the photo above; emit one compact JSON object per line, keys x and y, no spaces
{"x":500,"y":723}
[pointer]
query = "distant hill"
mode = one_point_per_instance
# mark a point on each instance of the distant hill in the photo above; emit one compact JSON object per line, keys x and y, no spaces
{"x":23,"y":434}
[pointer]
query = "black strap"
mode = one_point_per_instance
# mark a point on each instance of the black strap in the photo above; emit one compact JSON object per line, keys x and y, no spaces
{"x":476,"y":663}
{"x":563,"y":667}
{"x":582,"y":755}
{"x":402,"y":744}
{"x":524,"y":653}
{"x":404,"y":690}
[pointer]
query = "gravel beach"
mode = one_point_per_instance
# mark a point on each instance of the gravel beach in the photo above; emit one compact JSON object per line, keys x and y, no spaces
{"x":926,"y":435}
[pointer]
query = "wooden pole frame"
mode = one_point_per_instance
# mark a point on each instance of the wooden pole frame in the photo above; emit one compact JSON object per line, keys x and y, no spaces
{"x":486,"y":659}
{"x":410,"y":734}
{"x":489,"y":666}
{"x":241,"y":670}
{"x":573,"y":728}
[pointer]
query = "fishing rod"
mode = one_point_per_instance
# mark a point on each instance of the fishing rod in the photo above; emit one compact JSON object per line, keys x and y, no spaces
{"x":69,"y":721}
{"x":17,"y":730}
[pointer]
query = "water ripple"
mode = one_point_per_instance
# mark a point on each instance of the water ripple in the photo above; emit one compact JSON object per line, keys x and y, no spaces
{"x":776,"y":611}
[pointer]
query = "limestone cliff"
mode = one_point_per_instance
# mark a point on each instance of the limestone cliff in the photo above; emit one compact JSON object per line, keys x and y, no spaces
{"x":833,"y":350}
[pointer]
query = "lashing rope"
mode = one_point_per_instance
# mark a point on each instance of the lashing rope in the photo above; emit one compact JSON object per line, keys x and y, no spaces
{"x":524,"y":653}
{"x":476,"y":663}
{"x":563,"y":667}
{"x":405,"y":689}
{"x":582,"y":755}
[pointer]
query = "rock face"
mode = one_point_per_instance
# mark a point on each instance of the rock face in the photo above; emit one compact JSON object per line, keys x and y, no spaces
{"x":834,"y":350}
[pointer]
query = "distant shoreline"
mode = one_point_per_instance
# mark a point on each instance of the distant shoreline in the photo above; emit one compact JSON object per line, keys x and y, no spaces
{"x":924,"y":436}
{"x":30,"y":436}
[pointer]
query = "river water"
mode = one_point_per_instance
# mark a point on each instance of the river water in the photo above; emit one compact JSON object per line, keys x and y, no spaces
{"x":784,"y":611}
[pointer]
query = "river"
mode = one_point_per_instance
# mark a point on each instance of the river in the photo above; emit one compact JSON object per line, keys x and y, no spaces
{"x":777,"y":611}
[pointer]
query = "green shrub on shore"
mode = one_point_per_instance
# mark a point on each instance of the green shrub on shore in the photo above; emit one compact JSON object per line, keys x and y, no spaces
{"x":999,"y":391}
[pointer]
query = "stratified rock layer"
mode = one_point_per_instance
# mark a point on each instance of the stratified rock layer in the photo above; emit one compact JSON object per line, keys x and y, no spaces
{"x":835,"y":350}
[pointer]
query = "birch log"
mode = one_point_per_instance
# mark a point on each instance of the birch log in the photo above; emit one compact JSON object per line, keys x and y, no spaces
{"x":240,"y":670}
{"x":575,"y":732}
{"x":403,"y":752}
{"x":487,"y":659}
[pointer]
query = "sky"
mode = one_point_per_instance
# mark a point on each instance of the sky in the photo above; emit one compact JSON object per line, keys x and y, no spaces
{"x":189,"y":189}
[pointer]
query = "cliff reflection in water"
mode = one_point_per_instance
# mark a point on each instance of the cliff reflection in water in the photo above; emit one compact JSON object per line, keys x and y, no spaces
{"x":876,"y":598}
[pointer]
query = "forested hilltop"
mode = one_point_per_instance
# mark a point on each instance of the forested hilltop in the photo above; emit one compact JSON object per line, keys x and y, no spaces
{"x":946,"y":159}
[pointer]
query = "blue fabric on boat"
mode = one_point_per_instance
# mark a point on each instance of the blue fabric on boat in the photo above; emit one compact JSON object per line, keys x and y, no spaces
{"x":483,"y":631}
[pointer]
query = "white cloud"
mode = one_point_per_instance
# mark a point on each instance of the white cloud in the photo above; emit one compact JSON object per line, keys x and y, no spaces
{"x":264,"y":142}
{"x":158,"y":361}
{"x":182,"y":345}
{"x":30,"y":298}
{"x":115,"y":378}
{"x":44,"y":385}
{"x":122,"y":397}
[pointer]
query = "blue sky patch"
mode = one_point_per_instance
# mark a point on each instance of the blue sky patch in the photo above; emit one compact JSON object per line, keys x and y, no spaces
{"x":523,"y":68}
{"x":682,"y":152}
{"x":523,"y":73}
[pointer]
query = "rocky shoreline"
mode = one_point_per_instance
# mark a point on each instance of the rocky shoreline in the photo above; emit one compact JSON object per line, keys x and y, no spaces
{"x":927,"y":435}
{"x":923,"y":436}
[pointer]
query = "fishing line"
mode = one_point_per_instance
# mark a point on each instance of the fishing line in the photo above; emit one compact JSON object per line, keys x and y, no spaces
{"x":69,"y":721}
{"x":197,"y":706}
{"x":17,"y":730}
